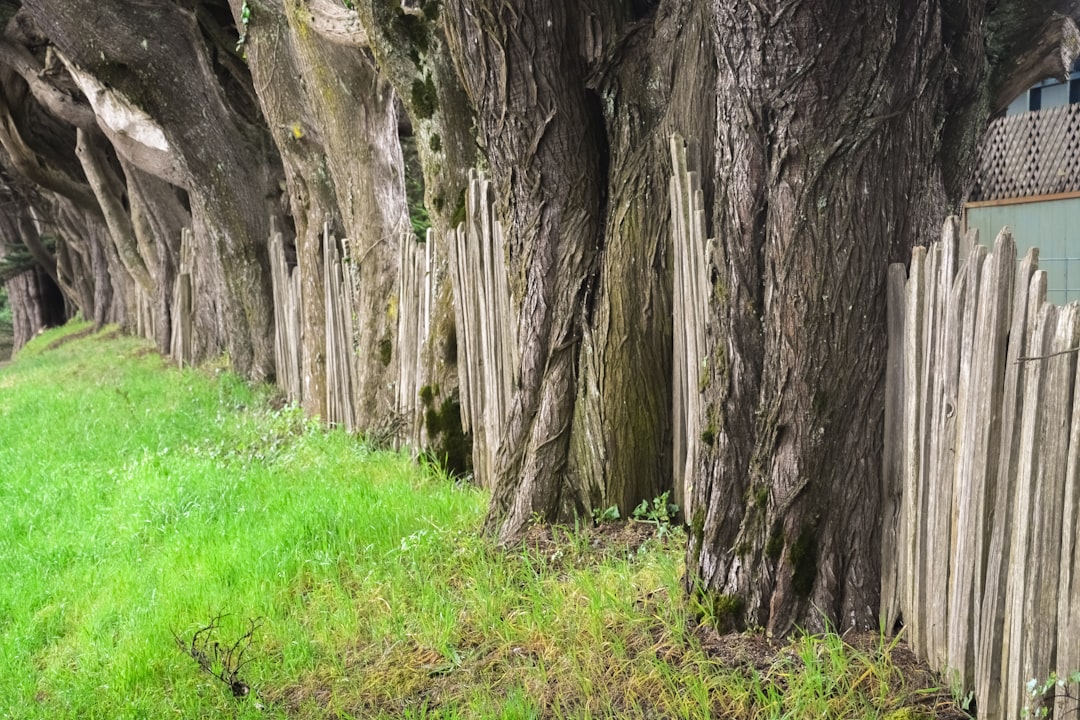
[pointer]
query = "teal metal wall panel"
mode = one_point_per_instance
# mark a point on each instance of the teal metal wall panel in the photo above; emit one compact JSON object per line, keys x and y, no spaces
{"x":1053,"y":226}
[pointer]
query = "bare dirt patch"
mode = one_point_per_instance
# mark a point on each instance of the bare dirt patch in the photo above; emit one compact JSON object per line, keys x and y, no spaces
{"x":61,"y":341}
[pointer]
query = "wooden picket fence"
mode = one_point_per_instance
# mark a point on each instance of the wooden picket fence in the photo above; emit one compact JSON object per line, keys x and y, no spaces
{"x":182,"y":340}
{"x":690,"y":248}
{"x":416,"y":291}
{"x":488,"y":356}
{"x":415,"y":288}
{"x":982,"y":471}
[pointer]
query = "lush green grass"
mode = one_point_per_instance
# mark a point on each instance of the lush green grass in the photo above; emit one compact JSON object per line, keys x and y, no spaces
{"x":141,"y":502}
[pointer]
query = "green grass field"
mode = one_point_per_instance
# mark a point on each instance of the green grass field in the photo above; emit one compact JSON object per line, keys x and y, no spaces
{"x":149,"y":513}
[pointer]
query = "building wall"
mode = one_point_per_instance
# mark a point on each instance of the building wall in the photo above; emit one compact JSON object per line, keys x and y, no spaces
{"x":1053,"y":226}
{"x":1048,"y":94}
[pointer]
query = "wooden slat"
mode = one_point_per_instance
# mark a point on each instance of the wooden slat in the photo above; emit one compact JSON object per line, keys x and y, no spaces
{"x":1068,"y":609}
{"x":920,"y":635}
{"x":979,"y":441}
{"x":942,"y":378}
{"x":286,"y":321}
{"x":1015,"y":633}
{"x":893,"y":456}
{"x":690,"y":249}
{"x":1040,"y":602}
{"x":912,"y":448}
{"x":990,"y":634}
{"x":486,"y":336}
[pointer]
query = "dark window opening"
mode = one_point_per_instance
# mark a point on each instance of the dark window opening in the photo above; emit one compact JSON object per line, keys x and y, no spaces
{"x":1035,"y":99}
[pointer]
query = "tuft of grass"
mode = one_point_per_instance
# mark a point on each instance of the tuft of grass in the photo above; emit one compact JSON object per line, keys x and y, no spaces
{"x":145,"y":504}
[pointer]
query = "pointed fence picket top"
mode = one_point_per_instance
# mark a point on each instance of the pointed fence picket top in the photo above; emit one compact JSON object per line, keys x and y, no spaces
{"x":981,"y":462}
{"x":487,"y":349}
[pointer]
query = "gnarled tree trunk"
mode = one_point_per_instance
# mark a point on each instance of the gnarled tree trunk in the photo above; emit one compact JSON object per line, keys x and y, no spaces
{"x":177,"y":70}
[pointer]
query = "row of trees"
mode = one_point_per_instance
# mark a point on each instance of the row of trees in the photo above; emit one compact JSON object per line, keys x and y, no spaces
{"x":835,"y":136}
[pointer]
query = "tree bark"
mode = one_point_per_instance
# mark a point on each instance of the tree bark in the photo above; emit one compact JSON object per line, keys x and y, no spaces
{"x":279,"y":81}
{"x":842,"y":133}
{"x":412,"y":53}
{"x":646,"y":76}
{"x":524,"y":75}
{"x":156,"y":55}
{"x":354,"y":107}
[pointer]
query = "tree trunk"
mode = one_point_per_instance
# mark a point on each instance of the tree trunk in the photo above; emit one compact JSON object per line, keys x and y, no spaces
{"x":35,"y":303}
{"x":279,"y":81}
{"x":523,"y":74}
{"x":159,"y":214}
{"x":648,"y":85}
{"x":830,"y":160}
{"x":355,"y":110}
{"x":412,"y":52}
{"x":158,"y":56}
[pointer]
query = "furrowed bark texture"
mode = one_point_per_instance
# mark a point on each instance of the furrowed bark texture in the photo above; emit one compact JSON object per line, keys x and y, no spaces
{"x":647,"y":73}
{"x":335,"y":125}
{"x":279,"y":80}
{"x":157,"y":56}
{"x":411,"y":50}
{"x":354,"y":107}
{"x":523,"y":76}
{"x":828,"y":163}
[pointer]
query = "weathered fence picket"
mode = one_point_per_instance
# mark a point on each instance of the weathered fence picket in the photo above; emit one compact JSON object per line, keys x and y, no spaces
{"x":340,"y":336}
{"x":415,"y":285}
{"x":487,"y":347}
{"x":287,"y":324}
{"x":690,"y":303}
{"x":413,"y":308}
{"x":181,"y":344}
{"x":981,"y":487}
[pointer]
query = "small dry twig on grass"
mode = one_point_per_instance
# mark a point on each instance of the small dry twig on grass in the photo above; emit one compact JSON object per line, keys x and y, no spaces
{"x":223,"y":662}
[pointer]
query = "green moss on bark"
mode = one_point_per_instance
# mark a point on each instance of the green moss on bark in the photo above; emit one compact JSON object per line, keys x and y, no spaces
{"x":425,"y":99}
{"x":775,"y":545}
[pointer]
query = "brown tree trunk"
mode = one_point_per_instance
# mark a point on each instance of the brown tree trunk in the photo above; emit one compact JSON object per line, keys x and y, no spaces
{"x":412,"y":52}
{"x":335,"y":124}
{"x":279,"y":80}
{"x":158,"y":56}
{"x":830,"y":159}
{"x":158,"y":214}
{"x":354,"y":107}
{"x":524,"y":76}
{"x":649,"y":86}
{"x":36,"y":304}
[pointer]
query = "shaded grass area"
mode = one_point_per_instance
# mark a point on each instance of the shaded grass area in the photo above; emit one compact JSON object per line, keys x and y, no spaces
{"x":145,"y":503}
